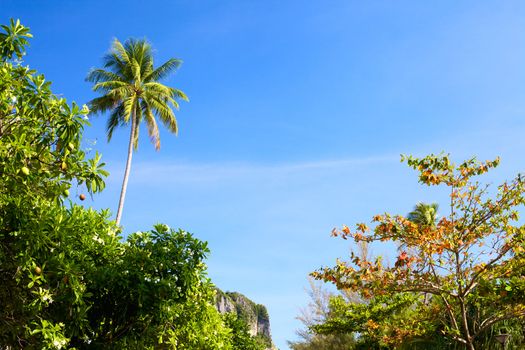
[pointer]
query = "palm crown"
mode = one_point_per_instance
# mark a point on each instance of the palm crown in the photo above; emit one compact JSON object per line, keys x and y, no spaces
{"x":131,"y":89}
{"x":424,"y":214}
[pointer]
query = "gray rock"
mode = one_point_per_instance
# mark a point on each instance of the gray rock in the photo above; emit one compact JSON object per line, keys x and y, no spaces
{"x":255,"y":315}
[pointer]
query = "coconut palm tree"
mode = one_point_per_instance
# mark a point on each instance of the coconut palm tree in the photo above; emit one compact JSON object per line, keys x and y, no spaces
{"x":424,"y":214}
{"x":131,"y":92}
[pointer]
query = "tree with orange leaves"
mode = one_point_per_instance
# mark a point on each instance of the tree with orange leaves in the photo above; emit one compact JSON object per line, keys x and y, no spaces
{"x":471,"y":262}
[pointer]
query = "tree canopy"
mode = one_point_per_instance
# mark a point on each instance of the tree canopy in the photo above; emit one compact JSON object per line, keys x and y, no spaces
{"x":464,"y":277}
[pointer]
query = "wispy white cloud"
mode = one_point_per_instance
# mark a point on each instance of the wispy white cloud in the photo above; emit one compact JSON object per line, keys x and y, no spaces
{"x":191,"y":172}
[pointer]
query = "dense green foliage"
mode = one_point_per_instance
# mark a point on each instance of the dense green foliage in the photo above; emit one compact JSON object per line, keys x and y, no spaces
{"x":241,"y":336}
{"x":68,"y":278}
{"x":377,"y":321}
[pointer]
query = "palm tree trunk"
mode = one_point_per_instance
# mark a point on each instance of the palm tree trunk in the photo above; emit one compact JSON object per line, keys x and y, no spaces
{"x":128,"y":168}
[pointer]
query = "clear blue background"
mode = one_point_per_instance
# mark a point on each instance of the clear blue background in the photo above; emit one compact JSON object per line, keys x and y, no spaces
{"x":299,"y":111}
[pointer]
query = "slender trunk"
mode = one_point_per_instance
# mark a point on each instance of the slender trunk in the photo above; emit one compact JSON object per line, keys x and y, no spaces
{"x":128,"y":168}
{"x":466,"y":330}
{"x":461,"y":300}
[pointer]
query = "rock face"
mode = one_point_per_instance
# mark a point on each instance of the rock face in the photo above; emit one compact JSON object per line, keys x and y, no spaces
{"x":254,"y":314}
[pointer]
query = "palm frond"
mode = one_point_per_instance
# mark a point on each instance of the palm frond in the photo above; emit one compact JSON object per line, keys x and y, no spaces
{"x":129,"y":105}
{"x":121,"y":52}
{"x":138,"y":117}
{"x":141,"y":51}
{"x":165,"y":114}
{"x":158,"y":88}
{"x":101,"y":75}
{"x":181,"y":95}
{"x":108,"y":86}
{"x":136,"y":71}
{"x":102,"y":104}
{"x":115,"y":120}
{"x":120,"y":93}
{"x":163,"y":70}
{"x":161,"y":98}
{"x":165,"y":91}
{"x":113,"y":62}
{"x":153,"y":129}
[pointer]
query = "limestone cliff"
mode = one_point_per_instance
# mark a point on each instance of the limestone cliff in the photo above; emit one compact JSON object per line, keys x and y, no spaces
{"x":255,"y":315}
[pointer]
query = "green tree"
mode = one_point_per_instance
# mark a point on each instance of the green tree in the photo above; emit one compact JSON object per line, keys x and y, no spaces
{"x":241,"y":337}
{"x":40,"y":159}
{"x":132,"y":93}
{"x":318,"y":312}
{"x":154,"y":294}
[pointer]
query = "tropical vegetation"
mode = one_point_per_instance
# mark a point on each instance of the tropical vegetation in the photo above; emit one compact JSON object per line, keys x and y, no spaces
{"x":69,"y":277}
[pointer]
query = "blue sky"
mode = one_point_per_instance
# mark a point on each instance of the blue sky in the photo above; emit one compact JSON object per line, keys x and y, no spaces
{"x":298,"y":113}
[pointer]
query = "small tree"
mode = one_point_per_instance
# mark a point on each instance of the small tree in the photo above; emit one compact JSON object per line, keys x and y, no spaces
{"x":471,"y":262}
{"x":318,"y":312}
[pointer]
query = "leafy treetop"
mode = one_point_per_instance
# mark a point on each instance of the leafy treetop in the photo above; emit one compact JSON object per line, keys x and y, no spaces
{"x":480,"y":245}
